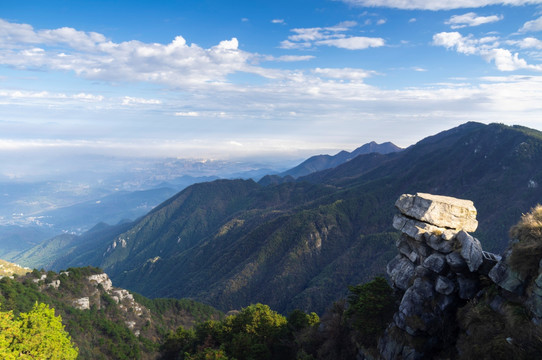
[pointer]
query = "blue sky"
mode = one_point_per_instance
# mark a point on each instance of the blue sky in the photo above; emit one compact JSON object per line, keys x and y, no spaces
{"x":231,"y":79}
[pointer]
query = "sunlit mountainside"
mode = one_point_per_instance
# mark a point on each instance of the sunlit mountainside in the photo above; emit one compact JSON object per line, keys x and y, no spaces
{"x":299,"y":244}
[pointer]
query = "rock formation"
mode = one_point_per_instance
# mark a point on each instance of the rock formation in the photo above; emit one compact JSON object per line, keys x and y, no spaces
{"x":438,"y":268}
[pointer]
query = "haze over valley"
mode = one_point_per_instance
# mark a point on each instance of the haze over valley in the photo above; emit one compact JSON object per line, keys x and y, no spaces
{"x":306,"y":179}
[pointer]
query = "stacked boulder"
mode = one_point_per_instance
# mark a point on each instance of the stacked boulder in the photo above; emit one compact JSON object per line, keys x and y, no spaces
{"x":437,"y":269}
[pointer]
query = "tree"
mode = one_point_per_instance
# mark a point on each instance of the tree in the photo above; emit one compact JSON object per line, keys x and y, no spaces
{"x":38,"y":334}
{"x":10,"y":330}
{"x":371,"y":308}
{"x":254,"y":333}
{"x":177,"y":343}
{"x":208,"y":354}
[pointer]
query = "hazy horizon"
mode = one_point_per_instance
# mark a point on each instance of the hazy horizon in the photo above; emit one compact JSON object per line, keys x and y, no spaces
{"x":251,"y":80}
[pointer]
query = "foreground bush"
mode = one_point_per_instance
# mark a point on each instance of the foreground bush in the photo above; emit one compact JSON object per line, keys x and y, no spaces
{"x":527,"y":251}
{"x":38,"y":334}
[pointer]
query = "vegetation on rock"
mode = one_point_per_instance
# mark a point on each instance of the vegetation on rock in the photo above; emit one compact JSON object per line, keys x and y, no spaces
{"x":527,"y":251}
{"x":110,"y":328}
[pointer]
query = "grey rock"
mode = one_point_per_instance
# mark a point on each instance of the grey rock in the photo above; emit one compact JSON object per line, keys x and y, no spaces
{"x":423,"y":288}
{"x":431,"y":322}
{"x":403,"y":245}
{"x":401,"y":271}
{"x":538,"y":281}
{"x":468,"y":287}
{"x":415,"y":297}
{"x":399,"y":222}
{"x":420,"y":247}
{"x":444,"y":285}
{"x":82,"y":303}
{"x":413,"y":257}
{"x":534,"y":304}
{"x":506,"y":278}
{"x":441,"y":211}
{"x":448,"y":235}
{"x":392,"y":349}
{"x":456,"y":262}
{"x":441,"y":245}
{"x":489,"y":261}
{"x":413,"y":228}
{"x":422,"y":271}
{"x":471,"y":250}
{"x":436,"y":263}
{"x":445,"y":302}
{"x":414,"y":315}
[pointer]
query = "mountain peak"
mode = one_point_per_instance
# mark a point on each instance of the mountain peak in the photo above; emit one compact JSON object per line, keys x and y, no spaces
{"x":323,"y":162}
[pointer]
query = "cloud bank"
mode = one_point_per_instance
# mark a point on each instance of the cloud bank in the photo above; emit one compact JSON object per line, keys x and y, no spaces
{"x":438,"y":4}
{"x":92,"y":56}
{"x":306,"y":38}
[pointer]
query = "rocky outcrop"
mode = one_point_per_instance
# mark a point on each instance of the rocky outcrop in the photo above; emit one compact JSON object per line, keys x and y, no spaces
{"x":103,"y":280}
{"x":97,"y":290}
{"x":82,"y":303}
{"x":436,"y":270}
{"x":441,"y":211}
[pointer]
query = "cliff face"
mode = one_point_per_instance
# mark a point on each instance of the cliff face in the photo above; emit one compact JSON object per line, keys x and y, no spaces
{"x":444,"y":277}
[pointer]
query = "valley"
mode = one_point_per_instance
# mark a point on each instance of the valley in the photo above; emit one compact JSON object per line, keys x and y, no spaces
{"x":299,"y":244}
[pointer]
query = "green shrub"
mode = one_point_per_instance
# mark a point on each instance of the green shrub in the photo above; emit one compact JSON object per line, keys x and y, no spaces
{"x":527,"y":251}
{"x":371,"y":308}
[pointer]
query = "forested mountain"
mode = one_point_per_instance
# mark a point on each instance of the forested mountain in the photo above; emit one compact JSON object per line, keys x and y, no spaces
{"x":104,"y":322}
{"x":299,"y":244}
{"x":322,"y":162}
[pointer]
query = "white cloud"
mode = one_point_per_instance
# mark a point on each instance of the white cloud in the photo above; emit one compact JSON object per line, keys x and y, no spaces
{"x":128,"y":100}
{"x":304,"y":38}
{"x":344,"y":73}
{"x":353,"y":43}
{"x":29,"y":95}
{"x":292,"y":58}
{"x":437,"y":4}
{"x":187,"y":113}
{"x":381,"y":22}
{"x":533,"y":25}
{"x":486,"y":47}
{"x":527,"y":43}
{"x":471,"y":19}
{"x":277,"y":21}
{"x":92,"y":56}
{"x":455,"y":40}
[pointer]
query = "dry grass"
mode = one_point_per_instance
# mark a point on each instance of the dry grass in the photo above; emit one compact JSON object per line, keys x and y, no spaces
{"x":8,"y":269}
{"x":527,"y":252}
{"x":486,"y":334}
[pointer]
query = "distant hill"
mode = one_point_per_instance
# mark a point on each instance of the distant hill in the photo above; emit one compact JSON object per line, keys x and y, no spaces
{"x":322,"y":162}
{"x":111,"y":209}
{"x":298,"y":244}
{"x":45,"y":254}
{"x":14,"y":239}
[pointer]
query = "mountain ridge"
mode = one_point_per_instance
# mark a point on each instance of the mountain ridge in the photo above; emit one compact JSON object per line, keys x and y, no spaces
{"x":230,"y":243}
{"x":322,"y":162}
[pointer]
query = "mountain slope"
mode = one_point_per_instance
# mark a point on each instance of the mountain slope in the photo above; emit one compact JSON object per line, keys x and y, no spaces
{"x":74,"y":247}
{"x":322,"y":162}
{"x":232,"y":243}
{"x":103,"y":321}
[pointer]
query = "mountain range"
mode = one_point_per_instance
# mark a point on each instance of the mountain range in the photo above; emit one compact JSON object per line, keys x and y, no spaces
{"x":299,"y":243}
{"x":323,"y":162}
